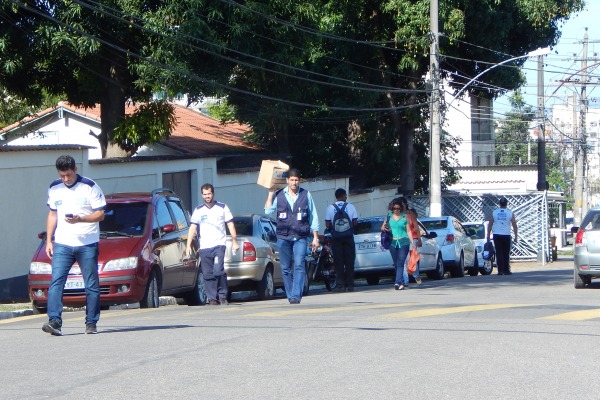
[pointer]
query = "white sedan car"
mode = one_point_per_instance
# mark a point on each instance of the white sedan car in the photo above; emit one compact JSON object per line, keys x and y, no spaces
{"x":372,"y":262}
{"x":458,"y":249}
{"x":477,"y":231}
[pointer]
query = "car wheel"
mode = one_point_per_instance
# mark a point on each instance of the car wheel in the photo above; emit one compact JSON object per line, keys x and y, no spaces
{"x":438,"y":273}
{"x":266,"y":286}
{"x":459,"y":269}
{"x":197,"y":296}
{"x":151,"y":297}
{"x":474,"y":270}
{"x":373,"y":280}
{"x":39,"y":310}
{"x":579,"y":280}
{"x":487,"y":268}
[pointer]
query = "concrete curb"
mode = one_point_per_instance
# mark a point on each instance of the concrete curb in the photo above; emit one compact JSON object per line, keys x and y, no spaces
{"x":164,"y":301}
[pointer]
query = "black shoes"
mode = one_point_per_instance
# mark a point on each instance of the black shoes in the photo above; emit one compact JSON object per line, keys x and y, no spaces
{"x":53,"y":328}
{"x":294,"y":301}
{"x":90,"y":329}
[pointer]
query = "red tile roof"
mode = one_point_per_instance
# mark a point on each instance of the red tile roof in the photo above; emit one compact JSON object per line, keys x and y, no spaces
{"x":195,"y":133}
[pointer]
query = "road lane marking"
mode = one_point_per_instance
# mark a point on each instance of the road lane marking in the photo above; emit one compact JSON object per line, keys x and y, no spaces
{"x":299,"y":311}
{"x":429,"y":312}
{"x":580,"y":315}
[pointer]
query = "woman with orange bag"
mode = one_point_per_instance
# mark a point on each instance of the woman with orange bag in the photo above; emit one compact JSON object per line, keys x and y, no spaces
{"x":401,"y":241}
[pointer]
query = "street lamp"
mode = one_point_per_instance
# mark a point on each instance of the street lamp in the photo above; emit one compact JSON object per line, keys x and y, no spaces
{"x":435,"y":195}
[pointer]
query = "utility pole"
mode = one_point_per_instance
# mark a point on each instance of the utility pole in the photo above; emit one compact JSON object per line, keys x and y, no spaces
{"x":580,"y":142}
{"x":542,"y":184}
{"x":435,"y":179}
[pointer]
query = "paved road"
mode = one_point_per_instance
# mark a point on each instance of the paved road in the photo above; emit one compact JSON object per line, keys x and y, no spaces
{"x":525,"y":336}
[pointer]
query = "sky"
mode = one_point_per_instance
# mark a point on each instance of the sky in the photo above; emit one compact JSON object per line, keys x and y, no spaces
{"x":564,"y":60}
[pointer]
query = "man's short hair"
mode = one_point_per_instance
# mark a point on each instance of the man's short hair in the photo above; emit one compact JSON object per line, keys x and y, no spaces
{"x":339,"y":193}
{"x":208,"y":186}
{"x":65,"y":163}
{"x":294,"y":172}
{"x":503,"y":201}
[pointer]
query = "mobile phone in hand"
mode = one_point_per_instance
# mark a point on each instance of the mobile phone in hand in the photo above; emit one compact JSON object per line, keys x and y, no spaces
{"x":69,"y":215}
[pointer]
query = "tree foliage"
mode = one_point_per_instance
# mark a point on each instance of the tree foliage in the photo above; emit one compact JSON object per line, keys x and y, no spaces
{"x":338,"y":85}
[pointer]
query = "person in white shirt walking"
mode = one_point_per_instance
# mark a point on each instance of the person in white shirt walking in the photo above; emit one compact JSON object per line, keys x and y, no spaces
{"x":499,"y":224}
{"x":72,"y":234}
{"x":208,"y":220}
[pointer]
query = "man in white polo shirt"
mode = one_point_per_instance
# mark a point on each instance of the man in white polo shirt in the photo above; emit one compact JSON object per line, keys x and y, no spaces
{"x":209,"y":221}
{"x":76,"y":207}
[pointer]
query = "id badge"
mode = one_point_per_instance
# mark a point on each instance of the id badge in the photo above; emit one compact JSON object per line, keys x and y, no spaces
{"x":282,"y":215}
{"x":299,"y":216}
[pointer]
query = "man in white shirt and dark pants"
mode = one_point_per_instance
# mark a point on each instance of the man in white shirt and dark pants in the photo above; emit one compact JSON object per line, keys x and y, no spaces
{"x":209,"y":221}
{"x":500,"y":223}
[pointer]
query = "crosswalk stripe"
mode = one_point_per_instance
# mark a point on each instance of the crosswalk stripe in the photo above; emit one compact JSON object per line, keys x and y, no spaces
{"x":428,"y":312}
{"x":580,"y":315}
{"x":299,"y":311}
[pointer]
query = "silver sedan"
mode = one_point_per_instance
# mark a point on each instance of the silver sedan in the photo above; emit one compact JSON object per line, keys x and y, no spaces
{"x":372,"y":262}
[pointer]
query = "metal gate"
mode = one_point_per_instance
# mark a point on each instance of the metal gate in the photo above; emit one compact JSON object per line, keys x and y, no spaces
{"x":531,"y":213}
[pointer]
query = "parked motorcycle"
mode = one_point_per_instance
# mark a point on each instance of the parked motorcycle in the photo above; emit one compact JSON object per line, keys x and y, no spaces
{"x":319,"y":264}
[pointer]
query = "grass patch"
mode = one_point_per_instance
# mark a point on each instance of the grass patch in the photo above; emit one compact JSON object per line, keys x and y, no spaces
{"x":15,"y":307}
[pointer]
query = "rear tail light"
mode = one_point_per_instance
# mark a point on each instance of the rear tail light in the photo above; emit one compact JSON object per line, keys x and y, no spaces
{"x":579,"y":237}
{"x":449,"y":238}
{"x":249,"y":253}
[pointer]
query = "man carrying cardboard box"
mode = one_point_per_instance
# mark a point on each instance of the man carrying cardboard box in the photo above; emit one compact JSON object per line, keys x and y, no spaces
{"x":296,"y":219}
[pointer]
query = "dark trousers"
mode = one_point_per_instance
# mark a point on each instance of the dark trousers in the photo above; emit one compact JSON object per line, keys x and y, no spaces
{"x":344,"y":254}
{"x":213,"y":270}
{"x":502,"y":244}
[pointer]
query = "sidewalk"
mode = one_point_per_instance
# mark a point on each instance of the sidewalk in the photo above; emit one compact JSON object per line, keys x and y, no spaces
{"x":563,"y":262}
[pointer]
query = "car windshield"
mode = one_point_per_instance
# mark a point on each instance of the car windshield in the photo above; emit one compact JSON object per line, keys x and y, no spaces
{"x":372,"y":225}
{"x":434,"y":224}
{"x":476,"y":231}
{"x":243,"y":226}
{"x":124,"y":219}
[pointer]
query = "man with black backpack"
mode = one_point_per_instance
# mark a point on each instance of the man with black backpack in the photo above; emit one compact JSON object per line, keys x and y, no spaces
{"x":341,"y":219}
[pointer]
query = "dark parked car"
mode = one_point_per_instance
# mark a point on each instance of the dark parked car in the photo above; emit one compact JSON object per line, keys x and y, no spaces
{"x":141,"y":255}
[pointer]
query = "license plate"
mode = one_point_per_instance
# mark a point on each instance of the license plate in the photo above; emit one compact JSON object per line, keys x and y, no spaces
{"x":365,"y":246}
{"x":74,"y":284}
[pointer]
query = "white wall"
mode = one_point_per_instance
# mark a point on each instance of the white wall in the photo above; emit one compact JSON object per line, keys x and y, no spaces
{"x":27,"y":174}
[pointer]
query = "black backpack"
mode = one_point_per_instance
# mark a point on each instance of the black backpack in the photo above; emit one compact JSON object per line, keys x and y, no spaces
{"x":341,"y":224}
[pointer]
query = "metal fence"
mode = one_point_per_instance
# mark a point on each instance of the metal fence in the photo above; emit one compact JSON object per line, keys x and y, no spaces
{"x":531,"y":212}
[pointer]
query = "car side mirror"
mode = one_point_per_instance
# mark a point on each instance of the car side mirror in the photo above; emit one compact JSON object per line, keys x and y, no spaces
{"x":169,"y":228}
{"x":431,"y":235}
{"x":574,"y":229}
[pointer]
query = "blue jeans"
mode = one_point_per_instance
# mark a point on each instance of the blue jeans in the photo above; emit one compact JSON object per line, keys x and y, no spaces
{"x":293,"y":281}
{"x":62,"y":260}
{"x":399,"y":258}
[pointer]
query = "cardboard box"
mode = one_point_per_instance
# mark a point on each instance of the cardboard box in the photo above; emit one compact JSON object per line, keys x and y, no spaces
{"x":273,"y":174}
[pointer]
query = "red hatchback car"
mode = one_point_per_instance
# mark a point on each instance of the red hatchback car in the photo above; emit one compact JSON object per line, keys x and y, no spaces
{"x":141,"y":255}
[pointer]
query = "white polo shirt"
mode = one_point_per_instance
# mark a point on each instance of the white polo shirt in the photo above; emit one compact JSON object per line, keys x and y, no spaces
{"x":211,"y":224}
{"x":502,"y":221}
{"x":83,"y":198}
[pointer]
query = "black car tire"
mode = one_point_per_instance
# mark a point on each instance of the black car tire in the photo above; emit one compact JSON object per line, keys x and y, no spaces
{"x":488,"y":267}
{"x":578,"y":280}
{"x":197,"y":296}
{"x":459,"y":269}
{"x":438,"y":273}
{"x":39,"y":310}
{"x":151,"y":297}
{"x":266,"y":286}
{"x":473,"y":271}
{"x":373,"y":280}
